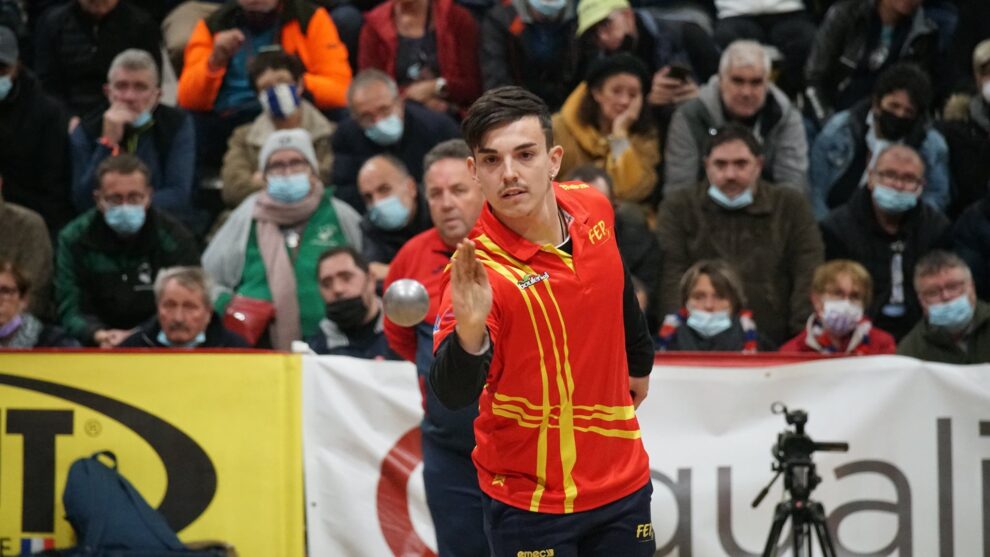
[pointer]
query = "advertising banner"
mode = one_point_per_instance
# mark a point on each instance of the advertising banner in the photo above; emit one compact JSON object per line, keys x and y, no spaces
{"x":213,"y":441}
{"x":915,"y":481}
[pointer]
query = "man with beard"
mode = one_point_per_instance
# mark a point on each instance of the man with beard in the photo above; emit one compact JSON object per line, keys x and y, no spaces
{"x":851,"y":141}
{"x":354,"y":322}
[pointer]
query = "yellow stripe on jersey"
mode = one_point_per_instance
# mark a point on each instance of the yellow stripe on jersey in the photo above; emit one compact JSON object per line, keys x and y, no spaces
{"x":565,"y":381}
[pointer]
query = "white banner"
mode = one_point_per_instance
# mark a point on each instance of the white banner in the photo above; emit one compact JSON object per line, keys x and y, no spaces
{"x":916,"y":480}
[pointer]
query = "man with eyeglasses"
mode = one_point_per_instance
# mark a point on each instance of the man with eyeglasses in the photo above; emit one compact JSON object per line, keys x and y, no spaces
{"x":108,"y":257}
{"x":886,"y":228}
{"x":956,"y":327}
{"x":380,"y":122}
{"x":267,"y":251}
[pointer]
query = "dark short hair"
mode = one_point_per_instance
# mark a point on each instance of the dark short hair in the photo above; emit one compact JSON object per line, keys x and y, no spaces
{"x":723,"y":277}
{"x":907,"y":77}
{"x":504,"y":105}
{"x":359,"y":260}
{"x":450,"y":149}
{"x":274,"y":59}
{"x":936,"y":261}
{"x":124,"y":163}
{"x":588,"y":173}
{"x":21,"y":279}
{"x":734,"y":132}
{"x":391,"y":159}
{"x":599,"y":71}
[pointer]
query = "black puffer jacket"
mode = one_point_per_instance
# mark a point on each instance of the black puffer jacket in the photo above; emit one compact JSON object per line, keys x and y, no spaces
{"x":971,"y":240}
{"x":839,"y":56}
{"x":852,"y":232}
{"x":969,"y":145}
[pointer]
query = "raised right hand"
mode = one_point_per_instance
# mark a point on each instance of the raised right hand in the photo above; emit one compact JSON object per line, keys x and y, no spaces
{"x":225,"y":44}
{"x":471,"y":295}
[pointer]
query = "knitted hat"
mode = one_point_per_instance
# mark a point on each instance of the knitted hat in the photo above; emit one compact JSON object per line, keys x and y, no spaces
{"x":590,"y":12}
{"x":297,"y":139}
{"x":604,"y":68}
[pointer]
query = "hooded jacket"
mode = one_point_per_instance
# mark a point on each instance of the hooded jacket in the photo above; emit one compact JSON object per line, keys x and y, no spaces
{"x":634,"y":174}
{"x":968,"y":140}
{"x":779,"y":126}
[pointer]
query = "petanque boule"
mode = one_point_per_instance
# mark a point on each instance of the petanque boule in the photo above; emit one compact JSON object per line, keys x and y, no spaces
{"x":406,"y":302}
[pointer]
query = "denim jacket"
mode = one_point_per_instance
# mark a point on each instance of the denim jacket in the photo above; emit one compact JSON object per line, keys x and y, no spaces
{"x":836,"y":146}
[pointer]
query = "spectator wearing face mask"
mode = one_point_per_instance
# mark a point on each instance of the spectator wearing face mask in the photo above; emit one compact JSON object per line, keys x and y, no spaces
{"x":966,"y":127}
{"x":840,"y":292}
{"x":712,"y":316}
{"x":885,"y":228}
{"x":956,"y":327}
{"x":397,"y":211}
{"x":265,"y":254}
{"x":108,"y":257}
{"x":851,"y":141}
{"x":133,"y":121}
{"x":354,"y":323}
{"x":381,"y":122}
{"x":278,"y":79}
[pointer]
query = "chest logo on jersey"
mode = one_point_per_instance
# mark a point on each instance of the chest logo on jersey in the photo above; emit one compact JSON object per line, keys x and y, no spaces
{"x":599,"y":233}
{"x":531,"y":279}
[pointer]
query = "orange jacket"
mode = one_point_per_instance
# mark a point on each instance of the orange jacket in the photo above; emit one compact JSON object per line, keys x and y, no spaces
{"x":328,"y":73}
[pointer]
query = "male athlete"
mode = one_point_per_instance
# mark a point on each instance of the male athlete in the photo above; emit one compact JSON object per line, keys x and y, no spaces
{"x":540,"y":318}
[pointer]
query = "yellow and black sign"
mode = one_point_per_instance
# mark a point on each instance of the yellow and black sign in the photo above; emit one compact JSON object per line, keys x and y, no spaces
{"x":211,"y":440}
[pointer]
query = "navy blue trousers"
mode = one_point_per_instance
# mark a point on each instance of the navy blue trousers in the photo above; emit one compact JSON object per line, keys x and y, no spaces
{"x":621,"y":527}
{"x":454,"y":499}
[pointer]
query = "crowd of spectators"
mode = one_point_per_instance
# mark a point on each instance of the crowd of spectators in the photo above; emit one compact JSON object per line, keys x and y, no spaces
{"x":812,"y":175}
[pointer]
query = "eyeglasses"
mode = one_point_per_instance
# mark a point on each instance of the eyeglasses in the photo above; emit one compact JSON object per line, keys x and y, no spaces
{"x":950,"y":290}
{"x":9,"y":291}
{"x":130,"y":199}
{"x":911,"y":181}
{"x":284,"y":168}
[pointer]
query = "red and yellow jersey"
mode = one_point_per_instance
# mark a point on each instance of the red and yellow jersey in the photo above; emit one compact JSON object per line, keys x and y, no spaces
{"x":557,"y":432}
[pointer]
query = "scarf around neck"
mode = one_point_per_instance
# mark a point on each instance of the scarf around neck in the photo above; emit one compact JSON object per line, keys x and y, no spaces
{"x":818,"y":340}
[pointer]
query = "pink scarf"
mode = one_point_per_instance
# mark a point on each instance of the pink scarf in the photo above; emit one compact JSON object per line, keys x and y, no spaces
{"x":270,"y":217}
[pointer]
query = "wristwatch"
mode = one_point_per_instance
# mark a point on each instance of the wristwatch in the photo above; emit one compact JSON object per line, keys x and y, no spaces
{"x":441,"y":87}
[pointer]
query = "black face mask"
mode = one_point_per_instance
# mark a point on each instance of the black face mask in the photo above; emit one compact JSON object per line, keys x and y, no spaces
{"x":348,"y":313}
{"x":259,"y":21}
{"x":892,"y":126}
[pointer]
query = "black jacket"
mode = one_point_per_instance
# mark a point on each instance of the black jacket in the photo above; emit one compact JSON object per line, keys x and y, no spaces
{"x":852,"y":232}
{"x":422,"y":129}
{"x":971,"y":240}
{"x":838,"y":61}
{"x":34,"y":151}
{"x":969,"y":145}
{"x":217,"y":336}
{"x":72,"y":52}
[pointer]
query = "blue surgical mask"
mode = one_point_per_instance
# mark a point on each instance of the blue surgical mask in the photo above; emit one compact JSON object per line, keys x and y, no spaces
{"x":709,"y":324}
{"x":386,"y":131}
{"x":289,"y":189}
{"x":892,"y":201}
{"x":738,"y":202}
{"x":125,"y":219}
{"x":389,"y":213}
{"x":548,"y":8}
{"x":141,"y":119}
{"x":6,"y":84}
{"x":280,"y":100}
{"x":953,"y":315}
{"x":163,"y":340}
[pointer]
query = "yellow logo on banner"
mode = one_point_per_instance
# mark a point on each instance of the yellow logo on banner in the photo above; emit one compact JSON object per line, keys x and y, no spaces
{"x":192,"y":432}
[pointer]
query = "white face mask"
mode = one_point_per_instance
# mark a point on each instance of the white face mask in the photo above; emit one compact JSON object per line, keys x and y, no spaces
{"x":841,"y":316}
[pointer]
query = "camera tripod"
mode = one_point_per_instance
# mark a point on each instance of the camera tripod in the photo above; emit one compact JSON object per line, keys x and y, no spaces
{"x":807,"y":520}
{"x":793,"y":453}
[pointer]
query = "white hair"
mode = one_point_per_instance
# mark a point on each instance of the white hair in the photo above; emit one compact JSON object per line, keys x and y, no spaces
{"x":744,"y":53}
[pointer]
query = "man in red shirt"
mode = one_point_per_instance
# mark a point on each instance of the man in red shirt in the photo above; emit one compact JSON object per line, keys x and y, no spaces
{"x":533,"y":320}
{"x":452,"y":493}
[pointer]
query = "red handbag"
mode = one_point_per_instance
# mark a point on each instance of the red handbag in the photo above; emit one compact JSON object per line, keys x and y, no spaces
{"x":248,"y":317}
